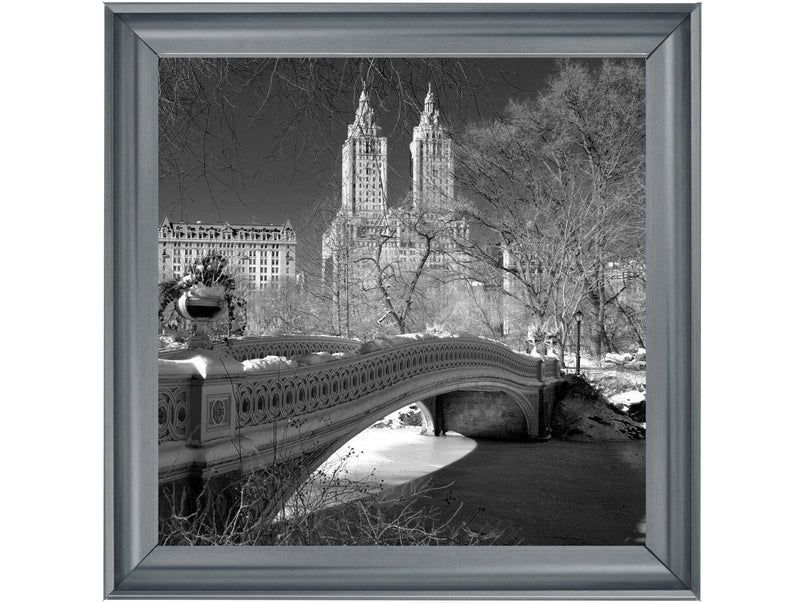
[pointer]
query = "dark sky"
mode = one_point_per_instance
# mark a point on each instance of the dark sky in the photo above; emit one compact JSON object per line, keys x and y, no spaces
{"x":294,"y":179}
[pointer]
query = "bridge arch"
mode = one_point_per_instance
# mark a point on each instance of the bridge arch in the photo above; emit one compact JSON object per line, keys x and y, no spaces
{"x":217,"y":423}
{"x":526,"y":404}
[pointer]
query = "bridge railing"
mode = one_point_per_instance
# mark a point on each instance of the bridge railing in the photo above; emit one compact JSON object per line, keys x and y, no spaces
{"x":196,"y":410}
{"x":245,"y":348}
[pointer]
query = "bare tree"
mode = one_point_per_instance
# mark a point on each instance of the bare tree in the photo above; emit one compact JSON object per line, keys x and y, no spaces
{"x":381,"y":272}
{"x":396,"y":279}
{"x":284,"y":308}
{"x":599,"y":117}
{"x":558,"y":184}
{"x":523,"y":237}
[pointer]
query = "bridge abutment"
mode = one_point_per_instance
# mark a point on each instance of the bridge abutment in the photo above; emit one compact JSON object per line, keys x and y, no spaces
{"x":549,"y":395}
{"x":492,"y":414}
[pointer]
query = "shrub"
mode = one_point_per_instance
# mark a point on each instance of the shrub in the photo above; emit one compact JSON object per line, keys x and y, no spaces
{"x":327,"y":509}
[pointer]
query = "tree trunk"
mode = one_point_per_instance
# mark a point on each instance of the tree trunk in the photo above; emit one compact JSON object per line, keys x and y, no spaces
{"x":562,"y":342}
{"x":597,"y":299}
{"x":601,"y":340}
{"x":338,"y":307}
{"x":630,"y":320}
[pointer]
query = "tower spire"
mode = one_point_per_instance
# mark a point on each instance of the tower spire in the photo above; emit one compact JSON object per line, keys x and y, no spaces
{"x":429,"y":100}
{"x":364,"y":162}
{"x":364,"y":115}
{"x":431,"y":157}
{"x":429,"y":113}
{"x":363,"y":93}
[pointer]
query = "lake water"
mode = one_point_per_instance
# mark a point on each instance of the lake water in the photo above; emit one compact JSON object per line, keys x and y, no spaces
{"x":396,"y":456}
{"x":536,"y":493}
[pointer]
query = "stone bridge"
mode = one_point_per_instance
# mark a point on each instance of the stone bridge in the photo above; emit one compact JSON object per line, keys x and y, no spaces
{"x":216,"y":418}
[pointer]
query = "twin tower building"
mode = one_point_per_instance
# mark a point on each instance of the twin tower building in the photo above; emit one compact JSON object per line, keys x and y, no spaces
{"x":365,"y":161}
{"x":365,"y":234}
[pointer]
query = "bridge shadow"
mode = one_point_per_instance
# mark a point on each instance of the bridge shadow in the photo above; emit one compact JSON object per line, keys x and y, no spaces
{"x":549,"y":493}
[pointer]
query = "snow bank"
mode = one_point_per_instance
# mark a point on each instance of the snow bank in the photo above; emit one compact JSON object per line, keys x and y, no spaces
{"x":268,"y":363}
{"x":408,"y":417}
{"x":281,"y":362}
{"x":199,"y":362}
{"x":389,"y":341}
{"x":618,"y":358}
{"x":627,"y":398}
{"x":188,"y":367}
{"x":636,"y":360}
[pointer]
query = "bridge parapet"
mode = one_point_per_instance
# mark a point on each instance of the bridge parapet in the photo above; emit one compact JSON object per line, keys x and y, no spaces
{"x":259,"y":347}
{"x":197,"y":409}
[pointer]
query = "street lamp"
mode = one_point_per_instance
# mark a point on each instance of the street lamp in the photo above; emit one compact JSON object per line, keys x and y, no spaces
{"x":578,"y":316}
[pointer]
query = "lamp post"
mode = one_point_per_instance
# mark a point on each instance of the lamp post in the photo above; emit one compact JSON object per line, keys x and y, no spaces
{"x":578,"y":318}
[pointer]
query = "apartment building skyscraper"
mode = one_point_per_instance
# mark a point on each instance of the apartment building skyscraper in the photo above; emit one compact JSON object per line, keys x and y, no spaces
{"x":364,"y":221}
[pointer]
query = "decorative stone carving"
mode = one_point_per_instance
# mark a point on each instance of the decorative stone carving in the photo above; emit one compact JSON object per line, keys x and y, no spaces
{"x":218,"y":411}
{"x":172,"y":412}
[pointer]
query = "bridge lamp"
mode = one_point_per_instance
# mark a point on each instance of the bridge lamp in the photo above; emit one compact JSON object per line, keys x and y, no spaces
{"x":578,"y":316}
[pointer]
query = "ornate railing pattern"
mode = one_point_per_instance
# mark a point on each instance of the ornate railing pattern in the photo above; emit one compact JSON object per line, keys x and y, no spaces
{"x":260,"y":347}
{"x":262,"y":397}
{"x":172,"y":399}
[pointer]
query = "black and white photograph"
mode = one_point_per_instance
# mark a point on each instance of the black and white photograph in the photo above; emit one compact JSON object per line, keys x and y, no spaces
{"x":401,"y":301}
{"x":354,"y":300}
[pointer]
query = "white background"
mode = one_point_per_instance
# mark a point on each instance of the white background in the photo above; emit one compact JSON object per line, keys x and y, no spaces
{"x":52,"y":210}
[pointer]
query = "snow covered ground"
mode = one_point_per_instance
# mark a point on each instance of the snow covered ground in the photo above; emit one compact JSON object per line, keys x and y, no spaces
{"x":635,"y":361}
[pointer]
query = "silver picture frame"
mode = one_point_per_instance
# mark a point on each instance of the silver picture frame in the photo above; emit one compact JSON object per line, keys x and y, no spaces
{"x":667,"y":36}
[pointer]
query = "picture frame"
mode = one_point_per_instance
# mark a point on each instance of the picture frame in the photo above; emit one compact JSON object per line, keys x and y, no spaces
{"x":667,"y":36}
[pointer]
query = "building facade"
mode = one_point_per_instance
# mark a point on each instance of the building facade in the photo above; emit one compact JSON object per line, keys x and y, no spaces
{"x":258,"y":255}
{"x":364,"y":161}
{"x":366,"y":236}
{"x":433,"y":180}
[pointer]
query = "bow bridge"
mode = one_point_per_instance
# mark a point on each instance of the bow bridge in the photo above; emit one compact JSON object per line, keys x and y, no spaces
{"x":217,"y":417}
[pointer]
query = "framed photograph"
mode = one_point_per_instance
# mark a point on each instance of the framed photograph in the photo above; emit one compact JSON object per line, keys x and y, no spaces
{"x":382,"y":281}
